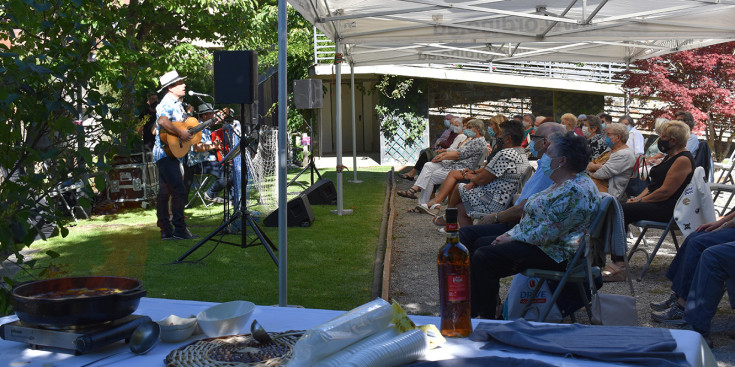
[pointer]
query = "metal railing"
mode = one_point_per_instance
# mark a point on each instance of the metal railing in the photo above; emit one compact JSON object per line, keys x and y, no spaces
{"x":324,"y":50}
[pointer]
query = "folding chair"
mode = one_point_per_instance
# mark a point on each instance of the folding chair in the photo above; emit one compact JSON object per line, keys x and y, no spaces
{"x":668,"y":227}
{"x":724,"y":183}
{"x":201,"y":183}
{"x":576,"y":268}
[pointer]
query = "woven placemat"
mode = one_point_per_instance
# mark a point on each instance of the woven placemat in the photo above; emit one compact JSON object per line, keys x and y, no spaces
{"x":235,"y":350}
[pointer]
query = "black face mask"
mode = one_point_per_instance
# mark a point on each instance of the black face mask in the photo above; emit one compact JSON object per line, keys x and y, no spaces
{"x":663,"y":145}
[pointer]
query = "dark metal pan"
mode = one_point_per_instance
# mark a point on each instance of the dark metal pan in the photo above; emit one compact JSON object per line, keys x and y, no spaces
{"x":76,"y":301}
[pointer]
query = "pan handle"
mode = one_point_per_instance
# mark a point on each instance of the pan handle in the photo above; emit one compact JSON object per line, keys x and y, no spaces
{"x":88,"y":342}
{"x":132,"y":294}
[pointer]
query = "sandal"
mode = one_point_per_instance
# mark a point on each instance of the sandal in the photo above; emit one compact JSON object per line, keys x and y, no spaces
{"x":405,"y":176}
{"x":439,"y":221}
{"x":433,"y":210}
{"x":410,"y":193}
{"x":414,"y":210}
{"x":614,"y":273}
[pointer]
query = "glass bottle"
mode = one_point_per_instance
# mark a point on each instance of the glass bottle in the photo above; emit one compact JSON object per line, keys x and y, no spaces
{"x":454,"y":282}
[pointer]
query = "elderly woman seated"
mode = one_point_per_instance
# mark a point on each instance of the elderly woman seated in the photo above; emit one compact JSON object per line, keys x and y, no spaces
{"x":592,"y":130}
{"x":653,"y":155}
{"x":449,"y":142}
{"x":490,"y":188}
{"x":467,"y":155}
{"x":668,"y":181}
{"x":612,"y":176}
{"x":554,"y":223}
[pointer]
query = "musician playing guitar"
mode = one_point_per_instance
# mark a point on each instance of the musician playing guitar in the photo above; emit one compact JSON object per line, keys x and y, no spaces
{"x":203,"y":158}
{"x":170,"y":180}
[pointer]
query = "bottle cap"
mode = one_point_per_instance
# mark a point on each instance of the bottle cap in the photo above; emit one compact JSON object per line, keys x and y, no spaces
{"x":450,"y":216}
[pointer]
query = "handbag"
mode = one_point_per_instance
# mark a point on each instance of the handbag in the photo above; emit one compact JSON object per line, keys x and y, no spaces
{"x":612,"y":309}
{"x":638,"y":183}
{"x":521,"y":288}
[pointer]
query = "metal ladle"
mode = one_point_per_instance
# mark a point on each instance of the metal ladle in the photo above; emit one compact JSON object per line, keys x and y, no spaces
{"x":259,"y":333}
{"x":143,"y":339}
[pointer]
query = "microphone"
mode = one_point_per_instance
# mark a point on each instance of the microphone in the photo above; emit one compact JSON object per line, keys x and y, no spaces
{"x":192,"y":93}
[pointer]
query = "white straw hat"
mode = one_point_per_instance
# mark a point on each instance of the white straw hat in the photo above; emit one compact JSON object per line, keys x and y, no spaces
{"x":169,"y":78}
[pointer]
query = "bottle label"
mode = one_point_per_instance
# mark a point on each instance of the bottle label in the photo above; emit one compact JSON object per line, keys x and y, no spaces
{"x":451,"y":227}
{"x":457,"y":287}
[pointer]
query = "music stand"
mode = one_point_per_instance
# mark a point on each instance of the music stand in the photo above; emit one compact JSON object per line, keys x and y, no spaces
{"x":242,"y":213}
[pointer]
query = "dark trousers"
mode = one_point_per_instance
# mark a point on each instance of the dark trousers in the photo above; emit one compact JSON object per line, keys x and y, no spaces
{"x":474,"y":237}
{"x":490,"y":263}
{"x":425,"y":156}
{"x":686,"y":261}
{"x":170,"y":183}
{"x":658,"y":212}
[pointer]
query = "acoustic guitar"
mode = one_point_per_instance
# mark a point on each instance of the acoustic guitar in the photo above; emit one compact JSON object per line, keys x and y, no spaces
{"x":177,"y":148}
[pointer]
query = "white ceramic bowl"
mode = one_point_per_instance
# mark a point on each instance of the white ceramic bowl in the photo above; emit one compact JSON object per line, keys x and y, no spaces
{"x":175,"y":329}
{"x":229,"y":318}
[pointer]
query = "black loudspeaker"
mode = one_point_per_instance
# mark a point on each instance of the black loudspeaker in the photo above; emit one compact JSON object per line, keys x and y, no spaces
{"x":321,"y":193}
{"x":307,"y":93}
{"x":235,"y":77}
{"x":298,"y":213}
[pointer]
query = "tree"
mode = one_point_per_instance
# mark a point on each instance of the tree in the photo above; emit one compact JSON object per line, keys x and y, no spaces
{"x":69,"y":60}
{"x":699,"y":81}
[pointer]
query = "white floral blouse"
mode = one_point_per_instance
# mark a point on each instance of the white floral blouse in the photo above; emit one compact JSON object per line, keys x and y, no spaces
{"x":556,"y":219}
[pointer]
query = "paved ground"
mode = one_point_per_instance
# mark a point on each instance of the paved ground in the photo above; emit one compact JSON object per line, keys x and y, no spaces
{"x":413,"y":283}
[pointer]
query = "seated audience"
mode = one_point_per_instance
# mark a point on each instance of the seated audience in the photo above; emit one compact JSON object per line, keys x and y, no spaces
{"x":569,"y":121}
{"x":444,"y":143}
{"x":494,"y":224}
{"x":702,"y":254}
{"x":529,"y":123}
{"x":687,"y":118}
{"x":552,"y":227}
{"x":491,"y":188}
{"x":613,"y":175}
{"x":668,"y":181}
{"x":467,"y":155}
{"x":493,"y":130}
{"x":635,"y":142}
{"x":653,"y":155}
{"x":592,"y":130}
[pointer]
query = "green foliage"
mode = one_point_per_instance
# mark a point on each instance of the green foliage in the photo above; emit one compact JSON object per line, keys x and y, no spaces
{"x":401,"y":110}
{"x":92,"y":60}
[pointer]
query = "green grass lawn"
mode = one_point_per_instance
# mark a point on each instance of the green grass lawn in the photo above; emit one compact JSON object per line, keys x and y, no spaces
{"x":330,"y":264}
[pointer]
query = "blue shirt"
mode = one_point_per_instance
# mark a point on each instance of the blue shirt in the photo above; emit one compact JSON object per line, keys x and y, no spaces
{"x":537,"y":183}
{"x":693,"y":144}
{"x":199,"y":157}
{"x":172,"y":108}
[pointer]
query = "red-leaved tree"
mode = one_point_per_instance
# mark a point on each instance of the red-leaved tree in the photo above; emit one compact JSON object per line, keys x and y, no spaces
{"x":700,"y":81}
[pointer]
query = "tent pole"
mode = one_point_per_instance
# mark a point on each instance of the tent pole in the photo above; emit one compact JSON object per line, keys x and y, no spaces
{"x":282,"y":178}
{"x":338,"y":128}
{"x":354,"y":131}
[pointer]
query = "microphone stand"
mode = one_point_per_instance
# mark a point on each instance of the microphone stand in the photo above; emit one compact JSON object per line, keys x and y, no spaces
{"x":242,"y":213}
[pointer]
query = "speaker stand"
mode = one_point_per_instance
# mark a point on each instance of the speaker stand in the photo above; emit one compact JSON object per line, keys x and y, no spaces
{"x":242,"y":213}
{"x":311,"y":166}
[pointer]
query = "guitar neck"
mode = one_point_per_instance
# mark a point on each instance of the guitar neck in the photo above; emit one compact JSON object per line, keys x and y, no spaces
{"x":203,"y":125}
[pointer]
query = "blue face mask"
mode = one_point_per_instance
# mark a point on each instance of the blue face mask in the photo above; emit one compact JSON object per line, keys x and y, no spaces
{"x":469,"y":133}
{"x":603,"y":126}
{"x":490,"y":132}
{"x":457,"y":129}
{"x":608,"y":141}
{"x":446,"y":123}
{"x":544,"y":164}
{"x":532,"y":148}
{"x":629,"y":127}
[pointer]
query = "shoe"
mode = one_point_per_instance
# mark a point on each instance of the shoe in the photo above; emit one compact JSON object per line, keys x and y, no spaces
{"x":665,"y":305}
{"x":216,"y":199}
{"x":614,"y":273}
{"x":673,"y":316}
{"x":410,"y":193}
{"x":433,"y":210}
{"x":185,"y":236}
{"x":166,"y":236}
{"x":439,"y":221}
{"x":405,"y":177}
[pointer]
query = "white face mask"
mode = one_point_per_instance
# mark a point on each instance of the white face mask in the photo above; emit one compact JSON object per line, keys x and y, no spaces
{"x":586,"y":131}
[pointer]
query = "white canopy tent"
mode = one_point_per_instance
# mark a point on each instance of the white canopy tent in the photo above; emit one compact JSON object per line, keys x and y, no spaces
{"x":382,"y":32}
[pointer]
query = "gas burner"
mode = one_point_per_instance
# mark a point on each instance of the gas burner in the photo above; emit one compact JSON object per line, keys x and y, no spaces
{"x":72,"y":339}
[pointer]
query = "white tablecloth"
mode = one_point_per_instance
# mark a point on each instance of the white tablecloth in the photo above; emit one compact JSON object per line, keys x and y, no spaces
{"x":282,"y":319}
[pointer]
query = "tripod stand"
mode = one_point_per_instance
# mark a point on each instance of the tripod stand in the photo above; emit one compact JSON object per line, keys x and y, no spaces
{"x":311,"y":166}
{"x":246,"y":220}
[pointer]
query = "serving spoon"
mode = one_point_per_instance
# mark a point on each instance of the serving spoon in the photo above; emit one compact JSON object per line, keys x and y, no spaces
{"x":143,"y":339}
